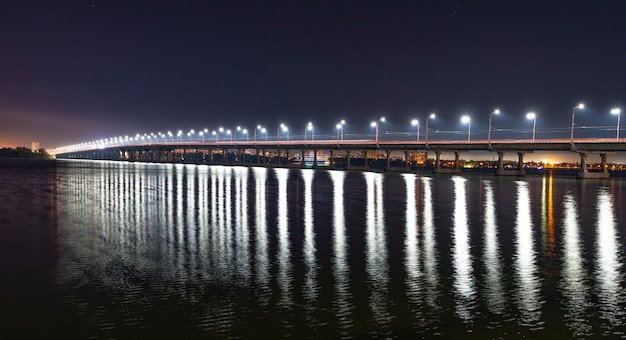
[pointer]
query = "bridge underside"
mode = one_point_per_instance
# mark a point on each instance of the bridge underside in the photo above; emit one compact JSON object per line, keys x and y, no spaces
{"x":337,"y":156}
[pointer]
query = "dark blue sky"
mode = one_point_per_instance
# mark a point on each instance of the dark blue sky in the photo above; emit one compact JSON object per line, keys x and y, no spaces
{"x":72,"y":71}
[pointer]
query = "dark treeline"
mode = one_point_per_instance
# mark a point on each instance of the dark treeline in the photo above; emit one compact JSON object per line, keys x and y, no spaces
{"x":23,"y":152}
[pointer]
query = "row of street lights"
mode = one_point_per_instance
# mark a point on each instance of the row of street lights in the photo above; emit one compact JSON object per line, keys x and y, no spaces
{"x":340,"y":127}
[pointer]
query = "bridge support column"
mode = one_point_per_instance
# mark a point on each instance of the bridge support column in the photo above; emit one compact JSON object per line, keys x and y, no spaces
{"x":348,"y":159}
{"x":388,"y":159}
{"x":439,"y":170}
{"x":501,"y":171}
{"x":314,"y":158}
{"x":264,"y":157}
{"x":584,"y":173}
{"x":224,"y":157}
{"x":366,"y":164}
{"x":302,"y":163}
{"x":332,"y":159}
{"x":287,"y":157}
{"x":407,"y":165}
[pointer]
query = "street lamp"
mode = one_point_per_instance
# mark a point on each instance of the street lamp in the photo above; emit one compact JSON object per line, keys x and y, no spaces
{"x":217,"y":136}
{"x":228,"y":132}
{"x":416,"y":122}
{"x":201,"y":133}
{"x":466,"y":119}
{"x":579,"y":106}
{"x":258,"y":127}
{"x":431,"y":116}
{"x":310,"y":127}
{"x":340,"y":129}
{"x":533,"y":116}
{"x":245,"y":132}
{"x":264,"y":130}
{"x":238,"y":129}
{"x":617,"y":112}
{"x":375,"y":124}
{"x":497,"y":112}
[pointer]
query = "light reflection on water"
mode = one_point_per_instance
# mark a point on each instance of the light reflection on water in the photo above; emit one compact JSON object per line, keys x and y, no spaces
{"x":528,"y":285}
{"x":608,"y":276}
{"x":171,"y":250}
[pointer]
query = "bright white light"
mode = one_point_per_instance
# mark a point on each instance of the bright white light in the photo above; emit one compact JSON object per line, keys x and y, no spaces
{"x":414,"y":122}
{"x":339,"y":126}
{"x":581,"y":106}
{"x":432,"y":115}
{"x":382,"y":119}
{"x":465,"y":119}
{"x":531,"y":115}
{"x":496,"y":112}
{"x":373,"y":124}
{"x":616,"y":111}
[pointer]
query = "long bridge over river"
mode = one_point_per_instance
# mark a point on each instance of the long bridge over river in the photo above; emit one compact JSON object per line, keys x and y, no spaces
{"x":342,"y":153}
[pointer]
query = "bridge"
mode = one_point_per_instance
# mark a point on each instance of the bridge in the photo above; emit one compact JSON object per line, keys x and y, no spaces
{"x":342,"y":154}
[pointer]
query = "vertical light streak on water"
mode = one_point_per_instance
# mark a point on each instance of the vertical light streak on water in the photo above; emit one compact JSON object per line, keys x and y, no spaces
{"x":429,"y":245}
{"x":228,"y":228}
{"x":179,"y":224}
{"x":461,"y":257}
{"x":608,"y":266}
{"x":221,"y":251}
{"x":169,"y":216}
{"x":262,"y":265}
{"x":574,"y":282}
{"x":551,"y":234}
{"x":413,"y":280}
{"x":242,"y":241}
{"x":341,"y":269}
{"x":308,"y":245}
{"x":527,"y":281}
{"x":491,"y":254}
{"x":191,"y":225}
{"x":376,"y":248}
{"x":203,"y":228}
{"x":214,"y":227}
{"x":284,"y":252}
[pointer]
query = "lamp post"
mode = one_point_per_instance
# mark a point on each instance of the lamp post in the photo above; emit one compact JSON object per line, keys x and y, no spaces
{"x":416,"y":122}
{"x":245,"y":132}
{"x":533,"y":116}
{"x":258,"y":127}
{"x":617,"y":112}
{"x":431,"y":116}
{"x":579,"y":106}
{"x":340,"y":129}
{"x":497,"y":112}
{"x":375,"y":124}
{"x":264,"y":130}
{"x":228,"y":132}
{"x":466,"y":119}
{"x":201,"y":133}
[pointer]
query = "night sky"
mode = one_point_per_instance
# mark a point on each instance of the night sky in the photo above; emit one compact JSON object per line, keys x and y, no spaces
{"x":74,"y":71}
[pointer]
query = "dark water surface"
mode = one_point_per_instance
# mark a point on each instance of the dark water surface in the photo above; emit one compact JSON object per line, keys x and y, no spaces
{"x":118,"y":250}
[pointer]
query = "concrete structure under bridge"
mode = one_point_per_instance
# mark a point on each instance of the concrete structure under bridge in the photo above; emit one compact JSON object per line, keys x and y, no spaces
{"x":349,"y":154}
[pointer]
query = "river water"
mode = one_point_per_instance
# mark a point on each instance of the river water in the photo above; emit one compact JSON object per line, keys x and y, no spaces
{"x":115,"y":250}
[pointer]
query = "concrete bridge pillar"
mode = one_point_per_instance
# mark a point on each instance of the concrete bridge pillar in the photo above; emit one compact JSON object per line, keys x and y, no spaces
{"x":520,"y":161}
{"x":603,"y":158}
{"x":264,"y":158}
{"x":388,"y":158}
{"x":315,"y":158}
{"x":456,"y":160}
{"x":302,"y":163}
{"x":437,"y":159}
{"x":583,"y":162}
{"x":224,"y":156}
{"x":366,"y":165}
{"x":406,"y":159}
{"x":347,"y":159}
{"x":332,"y":158}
